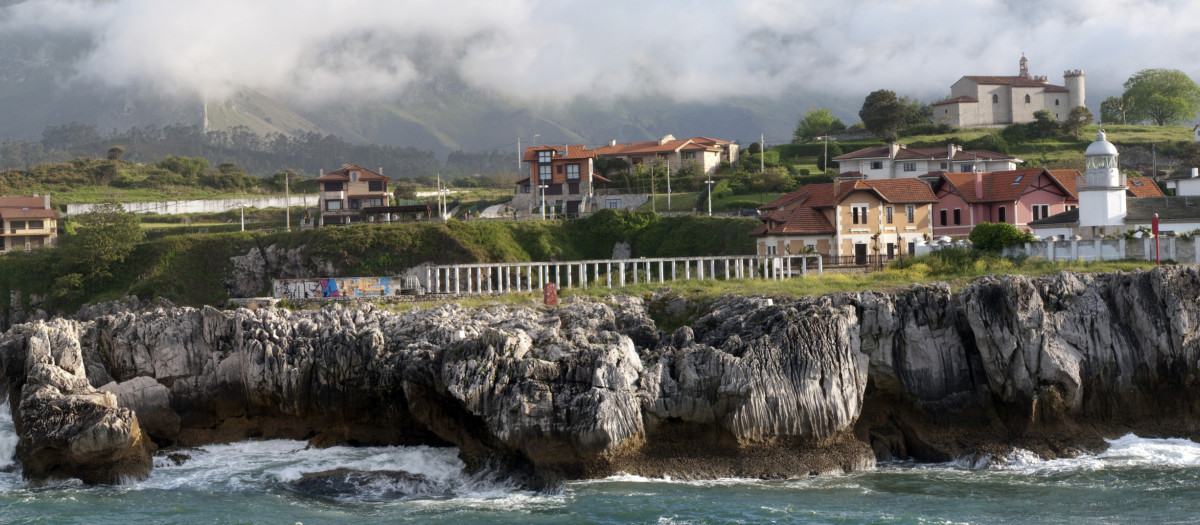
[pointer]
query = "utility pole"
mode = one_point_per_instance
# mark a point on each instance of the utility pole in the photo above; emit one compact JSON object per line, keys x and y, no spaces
{"x":762,"y":154}
{"x":668,"y":186}
{"x":287,"y":206}
{"x":653,"y":197}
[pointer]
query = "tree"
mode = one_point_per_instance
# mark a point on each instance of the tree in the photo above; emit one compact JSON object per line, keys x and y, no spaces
{"x":1164,"y":96}
{"x":1077,"y":119}
{"x":916,"y":112}
{"x":815,"y":123}
{"x":105,"y":236}
{"x":404,"y":191}
{"x":116,"y":152}
{"x":1114,"y":109}
{"x":883,"y":114}
{"x":822,"y":162}
{"x":1043,"y":124}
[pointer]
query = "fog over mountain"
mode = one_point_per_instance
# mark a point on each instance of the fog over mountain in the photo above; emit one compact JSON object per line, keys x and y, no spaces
{"x":475,"y":74}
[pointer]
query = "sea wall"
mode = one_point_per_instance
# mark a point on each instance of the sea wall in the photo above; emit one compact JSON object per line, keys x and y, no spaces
{"x":749,"y":387}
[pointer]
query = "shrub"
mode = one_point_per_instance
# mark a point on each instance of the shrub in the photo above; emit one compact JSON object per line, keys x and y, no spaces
{"x":994,"y":237}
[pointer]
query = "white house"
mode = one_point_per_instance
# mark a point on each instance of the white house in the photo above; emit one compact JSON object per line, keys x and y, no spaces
{"x":895,"y":161}
{"x":976,"y":101}
{"x":1185,"y":182}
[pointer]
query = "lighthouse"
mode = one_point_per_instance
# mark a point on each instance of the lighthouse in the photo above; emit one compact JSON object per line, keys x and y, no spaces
{"x":1102,"y":190}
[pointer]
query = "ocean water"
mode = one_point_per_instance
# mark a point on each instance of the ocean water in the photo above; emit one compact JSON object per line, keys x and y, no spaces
{"x":1135,"y":481}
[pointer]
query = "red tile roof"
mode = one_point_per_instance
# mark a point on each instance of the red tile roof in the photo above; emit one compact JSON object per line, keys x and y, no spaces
{"x":17,"y":207}
{"x":1021,"y":82}
{"x":343,"y":174}
{"x":1005,"y":186}
{"x":1143,"y":187}
{"x":807,"y":215}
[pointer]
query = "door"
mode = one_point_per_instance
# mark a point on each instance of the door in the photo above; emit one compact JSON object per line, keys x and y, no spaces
{"x":860,"y":254}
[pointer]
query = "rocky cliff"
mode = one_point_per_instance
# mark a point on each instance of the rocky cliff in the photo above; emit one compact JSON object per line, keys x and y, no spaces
{"x":752,"y":387}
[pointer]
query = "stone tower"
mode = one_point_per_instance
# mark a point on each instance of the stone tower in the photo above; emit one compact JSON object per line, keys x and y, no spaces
{"x":1102,"y":191}
{"x":1024,"y":67}
{"x":1073,"y":81}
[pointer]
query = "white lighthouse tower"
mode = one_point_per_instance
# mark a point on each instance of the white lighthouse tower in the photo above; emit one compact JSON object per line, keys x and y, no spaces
{"x":1102,"y":191}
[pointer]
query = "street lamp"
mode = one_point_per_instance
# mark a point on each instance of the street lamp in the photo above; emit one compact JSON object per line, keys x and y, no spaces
{"x":543,"y":188}
{"x":520,"y":153}
{"x":709,"y":183}
{"x":826,"y":138}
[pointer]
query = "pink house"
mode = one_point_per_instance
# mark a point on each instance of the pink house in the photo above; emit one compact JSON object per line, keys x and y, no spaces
{"x":1016,"y":197}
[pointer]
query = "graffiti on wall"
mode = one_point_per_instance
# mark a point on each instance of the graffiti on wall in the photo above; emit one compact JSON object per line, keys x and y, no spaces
{"x":337,"y":287}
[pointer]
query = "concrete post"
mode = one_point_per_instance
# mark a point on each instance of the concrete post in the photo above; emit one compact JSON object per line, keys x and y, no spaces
{"x":621,"y":270}
{"x":726,"y":269}
{"x":700,"y":269}
{"x":1074,"y":249}
{"x":661,"y":277}
{"x":608,"y":274}
{"x":687,"y":270}
{"x":1121,"y":248}
{"x":456,"y":279}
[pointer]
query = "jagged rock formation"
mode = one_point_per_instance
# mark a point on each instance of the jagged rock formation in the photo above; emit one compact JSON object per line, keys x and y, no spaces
{"x":750,"y":388}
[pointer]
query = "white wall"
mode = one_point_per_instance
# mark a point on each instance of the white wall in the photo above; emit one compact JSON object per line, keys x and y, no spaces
{"x":203,"y":206}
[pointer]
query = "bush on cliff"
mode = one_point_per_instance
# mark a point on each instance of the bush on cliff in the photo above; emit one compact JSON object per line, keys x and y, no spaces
{"x":994,"y":237}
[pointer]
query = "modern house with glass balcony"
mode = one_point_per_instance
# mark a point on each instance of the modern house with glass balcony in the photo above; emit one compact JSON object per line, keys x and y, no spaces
{"x":347,"y":192}
{"x":28,"y":223}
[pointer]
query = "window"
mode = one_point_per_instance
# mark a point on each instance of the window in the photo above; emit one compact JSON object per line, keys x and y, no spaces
{"x":911,"y":211}
{"x":887,"y":211}
{"x":544,"y":172}
{"x":943,"y":217}
{"x":1027,"y":99}
{"x":333,"y":186}
{"x":1018,"y":179}
{"x":612,"y":204}
{"x":966,"y":168}
{"x":859,"y":212}
{"x":1056,"y":102}
{"x":772,"y":249}
{"x":355,"y":204}
{"x":16,"y":225}
{"x":560,"y":168}
{"x":333,"y":205}
{"x":810,"y":247}
{"x":1041,"y":211}
{"x":375,"y":201}
{"x":544,"y":156}
{"x":995,"y":99}
{"x":353,"y":176}
{"x":910,"y":166}
{"x":877,"y":165}
{"x":36,"y":225}
{"x":526,"y":188}
{"x":572,"y":172}
{"x":375,"y":185}
{"x":689,"y":154}
{"x":1069,"y":207}
{"x":957,"y":216}
{"x":1002,"y":214}
{"x":944,"y":165}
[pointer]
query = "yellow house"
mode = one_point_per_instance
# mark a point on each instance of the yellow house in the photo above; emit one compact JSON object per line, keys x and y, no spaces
{"x":849,"y":222}
{"x":28,"y":223}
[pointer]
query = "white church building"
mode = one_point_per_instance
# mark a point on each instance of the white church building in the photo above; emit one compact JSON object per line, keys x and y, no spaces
{"x":977,"y":101}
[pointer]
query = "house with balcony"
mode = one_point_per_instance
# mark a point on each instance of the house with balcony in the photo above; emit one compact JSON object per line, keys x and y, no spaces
{"x":848,"y":221}
{"x":28,"y":223}
{"x":560,"y":178}
{"x":894,"y":161}
{"x":347,"y":193}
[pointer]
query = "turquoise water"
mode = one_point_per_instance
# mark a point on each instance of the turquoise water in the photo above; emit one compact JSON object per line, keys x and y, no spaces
{"x":1136,"y":480}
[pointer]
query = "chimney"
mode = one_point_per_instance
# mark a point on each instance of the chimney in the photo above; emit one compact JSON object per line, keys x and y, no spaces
{"x":1195,"y":172}
{"x":978,"y":184}
{"x":46,"y":197}
{"x":950,"y":152}
{"x":612,"y":142}
{"x":837,"y":186}
{"x":893,"y":148}
{"x":380,"y":170}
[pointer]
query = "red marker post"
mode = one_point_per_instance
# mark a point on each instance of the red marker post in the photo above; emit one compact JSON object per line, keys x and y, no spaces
{"x":1154,"y":231}
{"x":550,"y":294}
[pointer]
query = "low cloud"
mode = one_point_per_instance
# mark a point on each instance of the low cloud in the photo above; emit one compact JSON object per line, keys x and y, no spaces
{"x":558,"y":50}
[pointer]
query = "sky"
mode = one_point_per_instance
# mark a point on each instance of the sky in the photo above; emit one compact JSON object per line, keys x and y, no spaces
{"x":318,"y":51}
